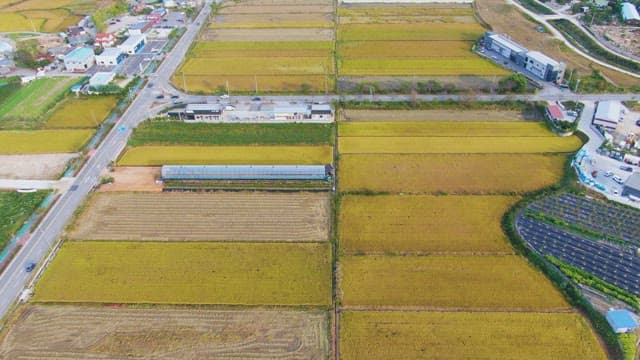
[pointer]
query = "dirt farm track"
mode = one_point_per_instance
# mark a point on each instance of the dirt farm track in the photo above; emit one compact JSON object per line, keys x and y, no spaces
{"x":70,"y":332}
{"x":242,"y":216}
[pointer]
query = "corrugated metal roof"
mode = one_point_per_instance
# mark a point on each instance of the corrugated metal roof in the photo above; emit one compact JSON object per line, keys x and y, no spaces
{"x":132,"y":40}
{"x":555,"y":112}
{"x":621,"y":319}
{"x":506,"y":42}
{"x":79,"y":54}
{"x":608,"y":110}
{"x":542,"y":58}
{"x":203,"y":107}
{"x":633,"y":181}
{"x":629,"y":12}
{"x":244,"y":172}
{"x":111,"y":51}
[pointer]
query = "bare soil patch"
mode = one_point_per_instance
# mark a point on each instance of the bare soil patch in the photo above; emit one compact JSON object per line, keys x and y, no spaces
{"x":39,"y":166}
{"x":54,"y":332}
{"x":222,"y":216}
{"x":431,"y":115}
{"x":137,"y":178}
{"x":625,"y":37}
{"x":277,"y":34}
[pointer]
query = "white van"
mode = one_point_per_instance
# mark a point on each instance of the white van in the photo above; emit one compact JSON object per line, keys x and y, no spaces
{"x":617,"y":179}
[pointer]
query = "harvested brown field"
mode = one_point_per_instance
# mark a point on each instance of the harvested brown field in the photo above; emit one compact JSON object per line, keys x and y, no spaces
{"x":278,"y":34}
{"x":432,"y":115}
{"x":504,"y":282}
{"x":39,"y":166}
{"x":449,"y":173}
{"x":133,"y":178}
{"x":423,"y":224}
{"x":272,"y":20}
{"x":52,"y":332}
{"x":298,"y":8}
{"x":223,"y":216}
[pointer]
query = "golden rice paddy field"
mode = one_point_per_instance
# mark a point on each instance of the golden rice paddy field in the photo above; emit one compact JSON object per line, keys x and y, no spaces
{"x":458,"y":145}
{"x":446,"y":281}
{"x":473,"y":129}
{"x":43,"y":141}
{"x":219,"y":216}
{"x":82,"y":112}
{"x":449,"y":173}
{"x":422,"y":224}
{"x":43,"y":16}
{"x":428,"y":40}
{"x":465,"y":335}
{"x":446,"y":116}
{"x":295,"y":37}
{"x":226,"y":155}
{"x":44,"y":331}
{"x":188,"y":273}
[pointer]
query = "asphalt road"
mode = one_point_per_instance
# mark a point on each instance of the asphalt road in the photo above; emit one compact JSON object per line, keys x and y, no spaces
{"x":14,"y":279}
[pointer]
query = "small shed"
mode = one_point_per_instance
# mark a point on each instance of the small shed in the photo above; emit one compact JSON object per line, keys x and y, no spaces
{"x":621,"y":321}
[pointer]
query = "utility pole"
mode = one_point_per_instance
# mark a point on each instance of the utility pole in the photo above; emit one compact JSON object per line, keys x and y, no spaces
{"x":255,"y":79}
{"x":227,"y":85}
{"x":577,"y":84}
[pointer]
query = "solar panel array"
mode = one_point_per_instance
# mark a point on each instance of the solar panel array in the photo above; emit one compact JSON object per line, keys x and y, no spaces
{"x":617,"y":265}
{"x":605,"y":218}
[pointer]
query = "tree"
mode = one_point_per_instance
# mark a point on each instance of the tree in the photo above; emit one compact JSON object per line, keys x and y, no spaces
{"x":514,"y":83}
{"x":25,"y":54}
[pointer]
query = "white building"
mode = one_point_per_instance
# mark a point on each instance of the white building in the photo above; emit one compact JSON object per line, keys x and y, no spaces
{"x":291,"y":112}
{"x":608,"y":114}
{"x":79,"y":60}
{"x":110,"y":57}
{"x":169,"y":3}
{"x":133,"y":44}
{"x":630,"y":13}
{"x":203,"y":112}
{"x":321,"y":112}
{"x":544,"y":67}
{"x":504,"y":46}
{"x":101,"y":79}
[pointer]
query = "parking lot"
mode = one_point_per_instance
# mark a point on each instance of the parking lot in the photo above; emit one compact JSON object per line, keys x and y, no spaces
{"x":135,"y":64}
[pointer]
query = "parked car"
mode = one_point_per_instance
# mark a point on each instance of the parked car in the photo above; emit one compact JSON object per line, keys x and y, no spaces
{"x":174,"y":96}
{"x":626,"y":168}
{"x":224,"y":96}
{"x":150,"y":85}
{"x":160,"y":96}
{"x":608,"y":174}
{"x":29,"y":267}
{"x":638,"y":122}
{"x":256,"y":99}
{"x":618,"y":179}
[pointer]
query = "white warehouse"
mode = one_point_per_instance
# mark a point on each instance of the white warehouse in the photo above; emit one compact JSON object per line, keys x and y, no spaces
{"x":133,"y":44}
{"x":110,"y":57}
{"x":608,"y":114}
{"x":79,"y":60}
